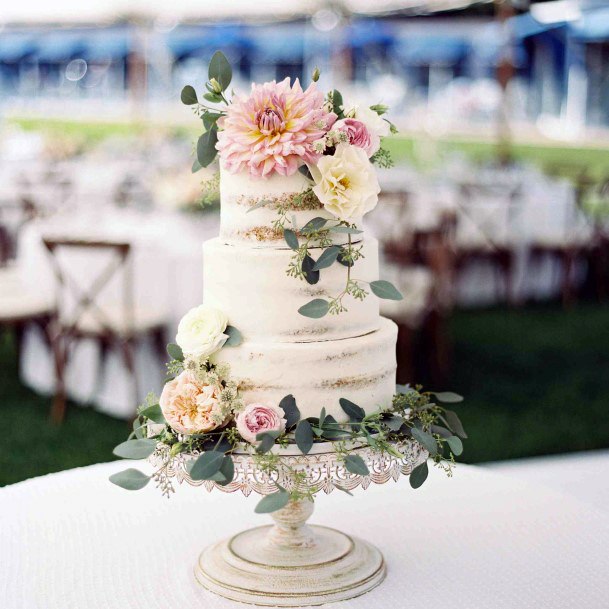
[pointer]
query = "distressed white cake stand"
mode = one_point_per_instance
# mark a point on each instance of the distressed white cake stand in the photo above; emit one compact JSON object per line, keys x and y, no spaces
{"x":291,"y":563}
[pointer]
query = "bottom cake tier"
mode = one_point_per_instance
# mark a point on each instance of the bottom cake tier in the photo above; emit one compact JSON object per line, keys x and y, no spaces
{"x":318,"y":374}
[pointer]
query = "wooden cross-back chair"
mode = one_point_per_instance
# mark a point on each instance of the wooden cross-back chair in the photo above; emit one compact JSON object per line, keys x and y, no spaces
{"x":120,"y":326}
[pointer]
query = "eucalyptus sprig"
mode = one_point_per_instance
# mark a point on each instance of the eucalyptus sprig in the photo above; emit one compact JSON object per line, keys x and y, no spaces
{"x":220,"y":75}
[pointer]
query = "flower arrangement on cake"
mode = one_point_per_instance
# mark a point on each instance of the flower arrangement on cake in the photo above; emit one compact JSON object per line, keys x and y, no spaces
{"x":267,"y":363}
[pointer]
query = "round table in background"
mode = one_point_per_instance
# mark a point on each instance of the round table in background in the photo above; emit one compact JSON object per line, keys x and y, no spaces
{"x":479,"y":540}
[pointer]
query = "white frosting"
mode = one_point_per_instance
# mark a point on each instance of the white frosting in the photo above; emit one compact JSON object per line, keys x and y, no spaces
{"x":240,"y":192}
{"x":251,"y":286}
{"x":318,"y":374}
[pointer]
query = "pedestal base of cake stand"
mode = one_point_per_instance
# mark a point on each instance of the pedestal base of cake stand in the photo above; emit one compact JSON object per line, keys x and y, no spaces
{"x":290,"y":564}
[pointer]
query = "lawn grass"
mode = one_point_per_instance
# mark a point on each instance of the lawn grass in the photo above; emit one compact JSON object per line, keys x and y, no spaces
{"x":536,"y":382}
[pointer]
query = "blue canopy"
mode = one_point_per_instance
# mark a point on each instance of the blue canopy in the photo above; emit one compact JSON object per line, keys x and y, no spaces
{"x":368,"y":32}
{"x":59,"y":46}
{"x":107,"y":45}
{"x":190,"y":41}
{"x":16,"y":46}
{"x":430,"y":50}
{"x":592,"y":27}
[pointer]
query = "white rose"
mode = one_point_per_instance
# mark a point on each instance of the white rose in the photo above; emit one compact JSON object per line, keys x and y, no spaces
{"x":376,"y":125}
{"x":201,"y":331}
{"x":346,"y":182}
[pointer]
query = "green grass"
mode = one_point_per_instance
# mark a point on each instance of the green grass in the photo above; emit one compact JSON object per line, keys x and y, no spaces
{"x":536,"y":382}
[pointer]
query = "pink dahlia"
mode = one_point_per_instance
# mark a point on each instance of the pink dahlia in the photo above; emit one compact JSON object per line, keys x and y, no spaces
{"x":273,"y":129}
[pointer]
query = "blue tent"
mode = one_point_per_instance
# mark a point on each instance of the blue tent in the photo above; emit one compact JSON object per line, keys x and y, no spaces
{"x":109,"y":45}
{"x":431,"y":50}
{"x":195,"y":41}
{"x":592,"y":27}
{"x":59,"y":46}
{"x":526,"y":26}
{"x":15,"y":47}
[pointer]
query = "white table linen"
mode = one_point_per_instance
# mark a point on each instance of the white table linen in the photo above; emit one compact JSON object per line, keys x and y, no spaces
{"x":478,"y":541}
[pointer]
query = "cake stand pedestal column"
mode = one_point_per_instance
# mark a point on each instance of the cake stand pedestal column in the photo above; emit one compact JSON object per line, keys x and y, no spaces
{"x":290,"y":563}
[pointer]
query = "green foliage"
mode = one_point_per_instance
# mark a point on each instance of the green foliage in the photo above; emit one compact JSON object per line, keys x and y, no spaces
{"x":315,"y":309}
{"x":290,"y":238}
{"x":304,"y":436}
{"x":273,"y":502}
{"x":207,"y":465}
{"x":175,"y":352}
{"x":292,"y":414}
{"x":189,"y":96}
{"x":267,"y":441}
{"x":353,"y":411}
{"x":311,"y":275}
{"x":385,"y":289}
{"x":135,"y":449}
{"x":447,"y":397}
{"x":220,"y":70}
{"x":130,"y":479}
{"x":154,"y":413}
{"x":327,"y":258}
{"x":234,"y":337}
{"x":419,"y":475}
{"x":356,"y":465}
{"x":206,"y":147}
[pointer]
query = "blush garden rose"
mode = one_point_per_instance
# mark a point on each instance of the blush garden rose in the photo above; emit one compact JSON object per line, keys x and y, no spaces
{"x":190,"y":406}
{"x":256,"y":418}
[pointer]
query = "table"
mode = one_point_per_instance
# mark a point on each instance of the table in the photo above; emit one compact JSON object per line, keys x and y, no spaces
{"x":167,"y":281}
{"x":479,"y":540}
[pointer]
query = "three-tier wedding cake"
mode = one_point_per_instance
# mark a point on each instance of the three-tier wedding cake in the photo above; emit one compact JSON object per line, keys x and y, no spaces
{"x":350,"y":355}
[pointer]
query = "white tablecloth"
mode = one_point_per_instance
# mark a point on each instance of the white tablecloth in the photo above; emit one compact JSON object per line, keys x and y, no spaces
{"x":480,"y":540}
{"x":167,"y":279}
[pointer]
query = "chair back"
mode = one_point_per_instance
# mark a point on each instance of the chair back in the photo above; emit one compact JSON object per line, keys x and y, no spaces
{"x":89,"y":275}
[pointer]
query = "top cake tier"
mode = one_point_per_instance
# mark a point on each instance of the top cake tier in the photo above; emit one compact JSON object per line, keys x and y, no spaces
{"x":240,"y":192}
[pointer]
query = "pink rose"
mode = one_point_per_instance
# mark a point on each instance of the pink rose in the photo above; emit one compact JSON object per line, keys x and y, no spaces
{"x":358,"y":134}
{"x":256,"y":418}
{"x":189,"y":406}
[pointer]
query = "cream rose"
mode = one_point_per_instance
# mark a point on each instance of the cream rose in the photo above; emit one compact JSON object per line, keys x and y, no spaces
{"x":189,"y":406}
{"x":346,"y":182}
{"x":201,"y":331}
{"x":256,"y":418}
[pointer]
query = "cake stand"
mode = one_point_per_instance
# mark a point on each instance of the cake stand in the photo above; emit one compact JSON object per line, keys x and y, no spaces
{"x":290,"y":563}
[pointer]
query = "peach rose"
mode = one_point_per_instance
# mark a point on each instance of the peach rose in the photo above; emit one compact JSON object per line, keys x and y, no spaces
{"x":256,"y":418}
{"x":189,"y":406}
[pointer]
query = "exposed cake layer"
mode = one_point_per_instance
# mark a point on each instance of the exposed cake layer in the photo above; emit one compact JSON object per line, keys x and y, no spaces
{"x":318,"y":374}
{"x":240,"y":192}
{"x":252,"y":287}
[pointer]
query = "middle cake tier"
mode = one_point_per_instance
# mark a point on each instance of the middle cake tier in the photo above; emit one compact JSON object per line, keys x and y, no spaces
{"x":252,"y":287}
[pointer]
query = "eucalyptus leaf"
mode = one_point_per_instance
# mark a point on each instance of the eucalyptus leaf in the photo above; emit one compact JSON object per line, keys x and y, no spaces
{"x":304,"y":437}
{"x":175,"y":352}
{"x":207,"y":465}
{"x":220,"y":69}
{"x":311,"y":275}
{"x":214,"y":98}
{"x":327,"y":258}
{"x":227,"y":469}
{"x":267,"y":441}
{"x":441,"y":431}
{"x":258,"y":205}
{"x":315,"y":309}
{"x":304,"y":169}
{"x":292,"y":414}
{"x":290,"y":238}
{"x":356,"y":465}
{"x":154,"y":413}
{"x":273,"y":502}
{"x":385,"y":289}
{"x":347,"y":230}
{"x":453,"y":421}
{"x":455,"y":445}
{"x":206,"y":147}
{"x":313,"y":225}
{"x":234,"y":337}
{"x":188,"y":96}
{"x":210,"y":119}
{"x":447,"y":397}
{"x":337,"y":102}
{"x":322,"y":417}
{"x":130,"y":479}
{"x":344,"y":490}
{"x":196,"y":166}
{"x":135,"y":449}
{"x":353,"y":411}
{"x":394,"y":422}
{"x":403,"y":389}
{"x":418,"y":475}
{"x":425,"y":439}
